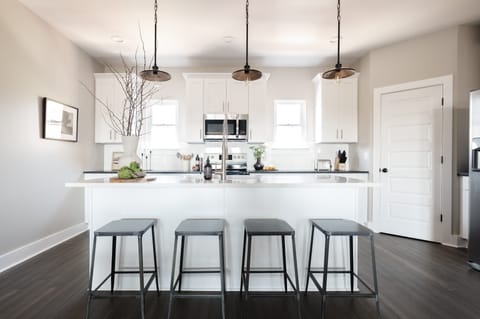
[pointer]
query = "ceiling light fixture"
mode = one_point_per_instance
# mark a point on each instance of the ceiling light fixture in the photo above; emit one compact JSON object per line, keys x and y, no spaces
{"x":155,"y":74}
{"x":246,"y":74}
{"x":338,"y":72}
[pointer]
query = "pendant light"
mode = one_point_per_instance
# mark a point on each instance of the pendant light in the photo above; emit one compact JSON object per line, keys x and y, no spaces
{"x":338,"y":72}
{"x":155,"y":74}
{"x":246,"y":74}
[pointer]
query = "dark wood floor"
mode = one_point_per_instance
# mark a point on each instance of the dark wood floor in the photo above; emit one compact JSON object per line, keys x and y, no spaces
{"x":416,"y":280}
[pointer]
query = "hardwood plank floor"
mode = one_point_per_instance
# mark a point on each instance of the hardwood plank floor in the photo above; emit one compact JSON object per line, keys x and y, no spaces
{"x":416,"y":280}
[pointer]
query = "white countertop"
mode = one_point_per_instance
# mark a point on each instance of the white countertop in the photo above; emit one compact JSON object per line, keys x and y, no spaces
{"x":189,"y":180}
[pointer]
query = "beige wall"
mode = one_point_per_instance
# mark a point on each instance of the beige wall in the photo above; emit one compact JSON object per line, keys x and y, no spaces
{"x":452,"y":51}
{"x":36,"y":61}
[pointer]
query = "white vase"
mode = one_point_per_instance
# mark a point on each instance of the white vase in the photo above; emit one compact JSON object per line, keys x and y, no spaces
{"x":130,"y":146}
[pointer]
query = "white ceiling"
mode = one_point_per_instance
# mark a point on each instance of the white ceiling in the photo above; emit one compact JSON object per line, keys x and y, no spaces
{"x":282,"y":33}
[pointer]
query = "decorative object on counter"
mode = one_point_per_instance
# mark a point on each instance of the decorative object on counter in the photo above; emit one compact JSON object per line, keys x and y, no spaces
{"x":340,"y":161}
{"x":155,"y":74}
{"x":338,"y":72}
{"x":129,"y":155}
{"x":131,"y":171}
{"x":270,"y":168}
{"x":246,"y":74}
{"x":207,"y":170}
{"x":186,"y":160}
{"x":197,"y":167}
{"x":60,"y":121}
{"x":258,"y":151}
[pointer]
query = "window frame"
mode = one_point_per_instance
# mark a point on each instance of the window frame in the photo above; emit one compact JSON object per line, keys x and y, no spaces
{"x":302,"y":143}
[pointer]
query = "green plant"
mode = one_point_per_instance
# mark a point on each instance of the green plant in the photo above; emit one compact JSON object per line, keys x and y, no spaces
{"x":258,"y":150}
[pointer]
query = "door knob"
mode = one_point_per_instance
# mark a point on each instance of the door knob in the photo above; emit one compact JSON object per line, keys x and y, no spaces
{"x":383,"y":170}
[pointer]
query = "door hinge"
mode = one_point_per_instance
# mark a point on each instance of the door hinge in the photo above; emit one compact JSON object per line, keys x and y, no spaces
{"x":441,"y":159}
{"x":441,"y":218}
{"x":443,"y":101}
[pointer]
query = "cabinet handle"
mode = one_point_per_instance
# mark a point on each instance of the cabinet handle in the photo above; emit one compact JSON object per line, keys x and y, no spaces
{"x":200,"y":133}
{"x":341,"y":134}
{"x":337,"y":133}
{"x":223,"y":107}
{"x":250,"y":133}
{"x":110,"y":135}
{"x":228,"y":106}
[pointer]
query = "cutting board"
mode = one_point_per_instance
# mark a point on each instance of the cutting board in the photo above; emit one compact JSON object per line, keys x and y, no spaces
{"x":132,"y":180}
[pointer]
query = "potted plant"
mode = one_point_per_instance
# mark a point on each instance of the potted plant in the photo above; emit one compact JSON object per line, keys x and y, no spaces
{"x":258,"y":151}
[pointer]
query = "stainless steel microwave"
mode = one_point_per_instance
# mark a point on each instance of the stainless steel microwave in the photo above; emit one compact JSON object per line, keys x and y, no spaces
{"x":237,"y":127}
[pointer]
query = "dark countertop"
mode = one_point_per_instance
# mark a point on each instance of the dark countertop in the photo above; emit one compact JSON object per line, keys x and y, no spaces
{"x":462,"y":174}
{"x":251,"y":172}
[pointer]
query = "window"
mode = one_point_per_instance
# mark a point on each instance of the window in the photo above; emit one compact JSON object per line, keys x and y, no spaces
{"x":163,"y":128}
{"x":289,"y":123}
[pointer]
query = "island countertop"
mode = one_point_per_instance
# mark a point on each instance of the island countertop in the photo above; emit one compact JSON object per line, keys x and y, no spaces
{"x":256,"y":180}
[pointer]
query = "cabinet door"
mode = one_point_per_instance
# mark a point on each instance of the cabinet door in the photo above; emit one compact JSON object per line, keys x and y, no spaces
{"x":347,"y":110}
{"x":109,"y":91}
{"x":258,"y":130}
{"x":237,"y":97}
{"x":328,"y":112}
{"x":194,"y":114}
{"x":215,"y":91}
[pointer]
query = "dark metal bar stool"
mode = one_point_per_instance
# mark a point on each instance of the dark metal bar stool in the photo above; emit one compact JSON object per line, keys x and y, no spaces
{"x":114,"y":229}
{"x":197,"y":227}
{"x":341,"y":227}
{"x":268,"y":227}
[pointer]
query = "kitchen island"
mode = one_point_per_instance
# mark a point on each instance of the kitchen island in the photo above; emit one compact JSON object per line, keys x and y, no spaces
{"x":170,"y":198}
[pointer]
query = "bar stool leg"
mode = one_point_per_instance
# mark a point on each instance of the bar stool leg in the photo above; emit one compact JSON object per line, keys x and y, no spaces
{"x":247,"y":277}
{"x":90,"y":282}
{"x":325,"y":274}
{"x":142,"y":286}
{"x":284,"y":263}
{"x":112,"y":268}
{"x":294,"y":249}
{"x":172,"y":278}
{"x":155,"y":259}
{"x":351,"y":263}
{"x":310,"y":259}
{"x":243,"y":261}
{"x":180,"y":265}
{"x":222,"y":272}
{"x":375,"y":282}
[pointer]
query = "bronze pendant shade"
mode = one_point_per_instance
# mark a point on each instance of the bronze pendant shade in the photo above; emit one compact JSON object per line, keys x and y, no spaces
{"x":246,"y":74}
{"x":338,"y":72}
{"x":155,"y":75}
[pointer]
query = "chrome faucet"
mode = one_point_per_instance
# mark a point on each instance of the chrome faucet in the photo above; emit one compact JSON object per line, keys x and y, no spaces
{"x":223,"y":173}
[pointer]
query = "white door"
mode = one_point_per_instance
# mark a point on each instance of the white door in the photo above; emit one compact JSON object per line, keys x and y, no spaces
{"x":410,"y":162}
{"x":237,"y":97}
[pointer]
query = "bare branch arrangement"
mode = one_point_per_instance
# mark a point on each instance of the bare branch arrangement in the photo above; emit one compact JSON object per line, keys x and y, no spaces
{"x":128,"y":120}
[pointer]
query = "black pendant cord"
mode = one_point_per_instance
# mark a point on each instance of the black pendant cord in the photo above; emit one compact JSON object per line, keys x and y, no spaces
{"x":246,"y":44}
{"x":155,"y":36}
{"x":338,"y":66}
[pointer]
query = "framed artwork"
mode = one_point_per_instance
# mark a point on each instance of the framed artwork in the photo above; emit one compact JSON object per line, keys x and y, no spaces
{"x":60,"y":121}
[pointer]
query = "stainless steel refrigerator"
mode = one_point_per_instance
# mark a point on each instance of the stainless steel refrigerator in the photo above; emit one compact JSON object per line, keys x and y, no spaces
{"x":474,"y":174}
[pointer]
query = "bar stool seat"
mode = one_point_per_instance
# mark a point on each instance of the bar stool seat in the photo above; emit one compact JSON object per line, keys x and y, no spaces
{"x":123,"y":228}
{"x":341,"y":227}
{"x":197,"y":227}
{"x":268,"y":227}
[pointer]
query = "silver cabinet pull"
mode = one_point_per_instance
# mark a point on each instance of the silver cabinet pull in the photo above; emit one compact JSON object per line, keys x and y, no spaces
{"x":250,"y":133}
{"x":110,"y":135}
{"x":337,"y":133}
{"x":341,"y":134}
{"x":200,"y":133}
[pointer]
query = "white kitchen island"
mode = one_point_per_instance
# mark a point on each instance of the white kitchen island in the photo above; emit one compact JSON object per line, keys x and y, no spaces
{"x":170,"y":198}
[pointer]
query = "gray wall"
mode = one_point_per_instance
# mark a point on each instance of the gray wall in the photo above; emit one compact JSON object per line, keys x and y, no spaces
{"x":452,"y":51}
{"x":37,"y":61}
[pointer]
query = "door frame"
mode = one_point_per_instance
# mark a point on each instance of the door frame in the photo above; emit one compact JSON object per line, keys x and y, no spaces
{"x":444,"y":233}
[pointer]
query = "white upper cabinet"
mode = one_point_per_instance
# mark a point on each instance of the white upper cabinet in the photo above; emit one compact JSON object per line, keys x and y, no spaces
{"x":225,"y":95}
{"x":237,"y":97}
{"x":194,"y":111}
{"x":109,"y":91}
{"x":336,"y":110}
{"x":258,"y":131}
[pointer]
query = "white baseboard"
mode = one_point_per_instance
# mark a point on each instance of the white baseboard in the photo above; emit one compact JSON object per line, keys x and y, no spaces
{"x":28,"y":251}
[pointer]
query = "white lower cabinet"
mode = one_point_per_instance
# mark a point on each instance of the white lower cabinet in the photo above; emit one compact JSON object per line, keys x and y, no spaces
{"x":464,"y":206}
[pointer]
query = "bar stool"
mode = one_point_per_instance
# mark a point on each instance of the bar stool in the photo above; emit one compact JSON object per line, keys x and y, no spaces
{"x":341,"y":227}
{"x":268,"y":227}
{"x":197,"y":227}
{"x":125,"y":227}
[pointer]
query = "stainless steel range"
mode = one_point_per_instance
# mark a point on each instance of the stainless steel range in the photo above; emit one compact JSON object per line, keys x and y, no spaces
{"x":236,"y":163}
